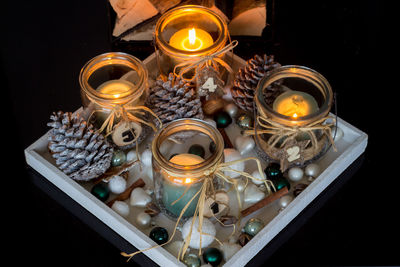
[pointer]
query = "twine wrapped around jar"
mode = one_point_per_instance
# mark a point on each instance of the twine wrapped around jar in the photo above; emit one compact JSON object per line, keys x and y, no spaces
{"x":282,"y":143}
{"x":205,"y":61}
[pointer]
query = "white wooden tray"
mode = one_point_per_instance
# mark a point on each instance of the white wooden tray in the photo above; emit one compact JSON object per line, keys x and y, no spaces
{"x":349,"y":148}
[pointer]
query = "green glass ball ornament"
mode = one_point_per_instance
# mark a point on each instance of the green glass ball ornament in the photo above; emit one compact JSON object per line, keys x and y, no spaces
{"x":253,"y":226}
{"x":223,"y":119}
{"x":192,"y":260}
{"x":118,"y":158}
{"x":280,"y":182}
{"x":245,"y":121}
{"x":197,"y":150}
{"x":101,"y":191}
{"x":159,"y":235}
{"x":273,"y":170}
{"x":212,"y":256}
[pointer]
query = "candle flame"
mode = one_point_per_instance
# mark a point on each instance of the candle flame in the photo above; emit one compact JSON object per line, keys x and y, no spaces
{"x":188,"y":180}
{"x":294,"y":115}
{"x":192,"y":36}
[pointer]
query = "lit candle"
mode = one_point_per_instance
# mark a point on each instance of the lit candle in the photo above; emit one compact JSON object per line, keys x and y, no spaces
{"x":175,"y":187}
{"x":115,"y":89}
{"x":295,"y":104}
{"x":191,"y":39}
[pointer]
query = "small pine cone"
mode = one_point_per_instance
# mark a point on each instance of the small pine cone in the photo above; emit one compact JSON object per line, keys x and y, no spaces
{"x":174,"y":99}
{"x":79,"y":151}
{"x":247,"y":78}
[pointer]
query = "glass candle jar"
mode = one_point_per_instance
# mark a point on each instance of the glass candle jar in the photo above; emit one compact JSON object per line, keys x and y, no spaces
{"x":188,"y":33}
{"x":110,"y":81}
{"x":181,"y":155}
{"x":293,"y":126}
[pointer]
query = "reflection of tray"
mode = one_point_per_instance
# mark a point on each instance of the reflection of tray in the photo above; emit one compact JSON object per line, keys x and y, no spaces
{"x":333,"y":163}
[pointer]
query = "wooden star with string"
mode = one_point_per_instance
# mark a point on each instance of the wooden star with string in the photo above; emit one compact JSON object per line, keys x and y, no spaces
{"x":292,"y":152}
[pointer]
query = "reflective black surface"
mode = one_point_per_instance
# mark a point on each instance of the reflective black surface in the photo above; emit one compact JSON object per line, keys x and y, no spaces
{"x":354,"y":222}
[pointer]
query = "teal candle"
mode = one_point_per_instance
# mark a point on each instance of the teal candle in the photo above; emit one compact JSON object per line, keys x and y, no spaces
{"x":173,"y":191}
{"x":182,"y":188}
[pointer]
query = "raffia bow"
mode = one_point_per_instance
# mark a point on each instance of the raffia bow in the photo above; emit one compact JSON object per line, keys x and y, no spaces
{"x":207,"y":190}
{"x":127,"y":114}
{"x":281,"y":132}
{"x":198,"y":64}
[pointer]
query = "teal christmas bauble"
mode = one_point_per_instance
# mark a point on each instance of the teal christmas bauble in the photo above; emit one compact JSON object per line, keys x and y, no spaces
{"x":212,"y":256}
{"x":253,"y":226}
{"x":192,"y":260}
{"x":280,"y":182}
{"x":197,"y":150}
{"x":101,"y":191}
{"x":118,"y":158}
{"x":223,"y":119}
{"x":273,"y":170}
{"x":159,"y":235}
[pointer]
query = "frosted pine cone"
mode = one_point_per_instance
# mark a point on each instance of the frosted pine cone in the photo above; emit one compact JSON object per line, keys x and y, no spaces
{"x":79,"y":151}
{"x":247,"y":78}
{"x":174,"y":99}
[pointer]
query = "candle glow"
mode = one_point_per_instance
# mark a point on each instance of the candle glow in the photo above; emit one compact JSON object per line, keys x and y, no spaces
{"x":191,"y":39}
{"x":184,"y":160}
{"x":295,"y":104}
{"x":115,"y":88}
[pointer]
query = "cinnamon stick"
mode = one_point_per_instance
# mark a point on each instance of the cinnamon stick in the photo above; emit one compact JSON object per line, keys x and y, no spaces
{"x":126,"y":194}
{"x":227,"y":141}
{"x":265,"y":201}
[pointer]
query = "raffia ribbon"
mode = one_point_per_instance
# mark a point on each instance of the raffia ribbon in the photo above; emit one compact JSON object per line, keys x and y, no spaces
{"x":125,"y":112}
{"x":199,"y":63}
{"x":206,"y":190}
{"x":280,"y":131}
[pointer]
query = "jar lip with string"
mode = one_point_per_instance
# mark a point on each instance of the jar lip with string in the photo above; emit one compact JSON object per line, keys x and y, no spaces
{"x":314,"y":81}
{"x":180,"y":126}
{"x":101,"y":69}
{"x":200,"y":17}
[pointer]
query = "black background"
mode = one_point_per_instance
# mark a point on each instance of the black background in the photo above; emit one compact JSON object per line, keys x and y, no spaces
{"x":45,"y":44}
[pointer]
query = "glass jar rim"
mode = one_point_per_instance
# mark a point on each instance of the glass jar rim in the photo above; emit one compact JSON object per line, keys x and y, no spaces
{"x":191,"y":124}
{"x":108,"y":58}
{"x":169,"y":15}
{"x":296,"y":71}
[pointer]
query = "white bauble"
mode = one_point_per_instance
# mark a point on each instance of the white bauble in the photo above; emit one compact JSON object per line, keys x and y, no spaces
{"x":231,"y":154}
{"x":312,"y":170}
{"x":117,"y":184}
{"x":143,"y":219}
{"x":244,"y":144}
{"x":252,"y":194}
{"x":139,"y":198}
{"x":260,"y":179}
{"x":231,"y":109}
{"x":206,"y":239}
{"x":121,"y":207}
{"x":295,"y":174}
{"x":285,"y":200}
{"x":339,"y":133}
{"x":131,"y":155}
